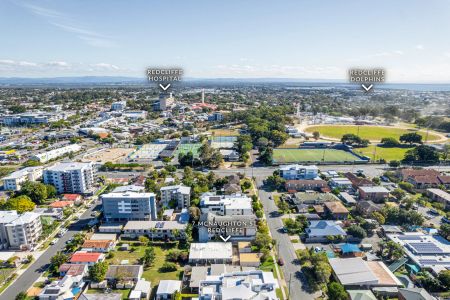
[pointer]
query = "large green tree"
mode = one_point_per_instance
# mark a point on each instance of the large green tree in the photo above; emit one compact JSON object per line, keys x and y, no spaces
{"x":21,"y":204}
{"x":97,"y":272}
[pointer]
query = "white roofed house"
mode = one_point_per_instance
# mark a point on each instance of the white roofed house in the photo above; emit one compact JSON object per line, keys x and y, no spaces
{"x":55,"y":153}
{"x":176,"y":196}
{"x":167,"y":288}
{"x":211,"y":252}
{"x":155,"y":229}
{"x":243,"y":285}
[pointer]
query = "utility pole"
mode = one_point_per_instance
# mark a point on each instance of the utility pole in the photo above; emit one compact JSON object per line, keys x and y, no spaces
{"x":289,"y":293}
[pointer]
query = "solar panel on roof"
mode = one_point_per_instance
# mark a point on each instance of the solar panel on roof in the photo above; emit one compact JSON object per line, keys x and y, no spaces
{"x":432,"y":262}
{"x":425,"y":248}
{"x":410,"y":238}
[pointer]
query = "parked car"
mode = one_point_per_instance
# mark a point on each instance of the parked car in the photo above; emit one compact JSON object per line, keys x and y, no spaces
{"x":280,"y":261}
{"x":54,"y":241}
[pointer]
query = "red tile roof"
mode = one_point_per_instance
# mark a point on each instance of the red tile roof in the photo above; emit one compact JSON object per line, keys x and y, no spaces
{"x":71,"y":197}
{"x":61,"y":204}
{"x":85,"y":257}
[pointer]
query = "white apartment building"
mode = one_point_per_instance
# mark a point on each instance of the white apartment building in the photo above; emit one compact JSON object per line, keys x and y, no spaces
{"x":13,"y":182}
{"x":55,"y":153}
{"x":24,"y":232}
{"x":297,"y":172}
{"x":226,"y":205}
{"x":6,"y":217}
{"x":71,"y":177}
{"x":120,"y":206}
{"x":179,"y":195}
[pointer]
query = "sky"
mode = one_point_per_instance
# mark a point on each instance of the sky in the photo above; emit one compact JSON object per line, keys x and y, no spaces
{"x":302,"y":39}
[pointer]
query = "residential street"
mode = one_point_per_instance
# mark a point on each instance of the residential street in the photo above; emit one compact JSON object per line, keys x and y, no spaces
{"x":28,"y":278}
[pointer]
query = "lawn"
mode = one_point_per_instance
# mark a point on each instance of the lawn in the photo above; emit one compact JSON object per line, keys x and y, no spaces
{"x":186,"y":148}
{"x":152,"y":274}
{"x":372,"y":133}
{"x":376,"y":153}
{"x":125,"y":292}
{"x":312,"y":155}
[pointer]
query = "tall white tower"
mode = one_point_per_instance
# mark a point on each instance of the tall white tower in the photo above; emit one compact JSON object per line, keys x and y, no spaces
{"x":203,"y":96}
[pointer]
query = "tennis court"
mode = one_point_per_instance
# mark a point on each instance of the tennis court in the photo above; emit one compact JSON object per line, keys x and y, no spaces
{"x":312,"y":155}
{"x":186,"y":148}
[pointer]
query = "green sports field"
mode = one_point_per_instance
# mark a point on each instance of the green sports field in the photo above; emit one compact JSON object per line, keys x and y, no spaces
{"x":186,"y":148}
{"x":377,"y":153}
{"x":312,"y":155}
{"x":372,"y":133}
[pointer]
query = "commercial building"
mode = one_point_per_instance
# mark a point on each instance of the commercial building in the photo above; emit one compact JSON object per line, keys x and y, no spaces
{"x":293,"y":186}
{"x":165,"y":102}
{"x":124,"y":206}
{"x":297,"y":172}
{"x":226,"y":205}
{"x":176,"y":196}
{"x":55,"y":153}
{"x":24,"y":231}
{"x":71,"y":177}
{"x":356,"y":272}
{"x":13,"y":182}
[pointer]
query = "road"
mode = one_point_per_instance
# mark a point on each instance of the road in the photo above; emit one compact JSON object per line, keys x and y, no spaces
{"x":291,"y":270}
{"x":26,"y":280}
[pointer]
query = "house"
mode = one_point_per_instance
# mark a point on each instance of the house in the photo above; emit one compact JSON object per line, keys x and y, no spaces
{"x":336,"y":210}
{"x":104,"y":236}
{"x":87,"y":258}
{"x":55,"y":213}
{"x":347,"y":198}
{"x":229,"y":154}
{"x":312,"y":198}
{"x":423,"y":178}
{"x":429,"y":252}
{"x":356,"y":272}
{"x":67,"y":288}
{"x":424,"y":182}
{"x":374,"y":193}
{"x":124,"y":273}
{"x":61,"y":204}
{"x":296,"y":172}
{"x":76,"y":198}
{"x":358,"y":181}
{"x":155,"y":229}
{"x":293,"y":186}
{"x":341,"y":183}
{"x":97,"y":246}
{"x":320,"y":231}
{"x":167,"y":288}
{"x":245,"y":285}
{"x":176,"y":196}
{"x":211,"y":252}
{"x":231,"y":188}
{"x":233,"y":179}
{"x":366,"y":208}
{"x":72,"y":270}
{"x":439,"y":196}
{"x":414,"y":294}
{"x":141,"y":290}
{"x":244,"y":247}
{"x":100,"y":296}
{"x":404,"y":174}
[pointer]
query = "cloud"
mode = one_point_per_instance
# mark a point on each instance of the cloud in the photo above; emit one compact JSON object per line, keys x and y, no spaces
{"x":68,"y":24}
{"x":9,"y":66}
{"x":419,"y":47}
{"x":277,"y":71}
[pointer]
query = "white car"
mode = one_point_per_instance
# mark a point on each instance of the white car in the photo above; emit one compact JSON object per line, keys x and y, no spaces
{"x":54,"y":241}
